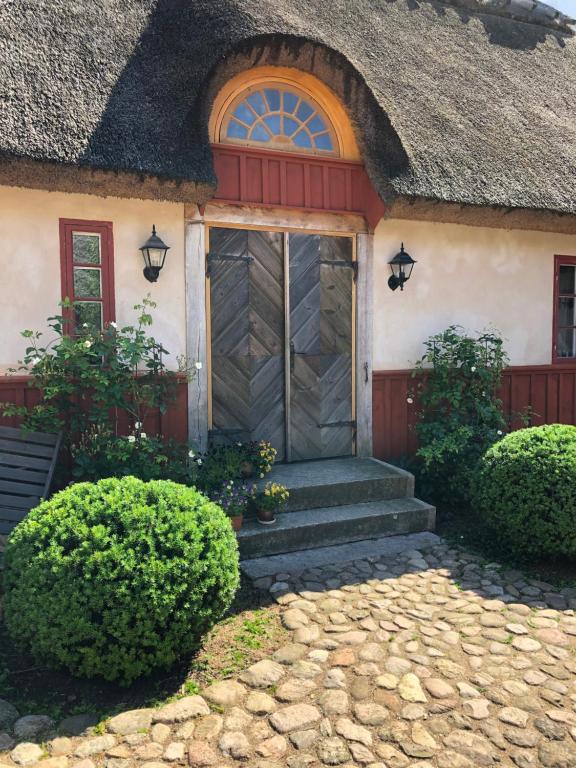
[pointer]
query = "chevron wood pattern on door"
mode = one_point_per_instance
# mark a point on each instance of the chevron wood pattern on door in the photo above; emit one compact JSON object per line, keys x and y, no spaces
{"x":247,"y":336}
{"x":321,"y":328}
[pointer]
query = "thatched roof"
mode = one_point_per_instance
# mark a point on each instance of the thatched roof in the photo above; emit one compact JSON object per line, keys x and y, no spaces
{"x":468,"y":101}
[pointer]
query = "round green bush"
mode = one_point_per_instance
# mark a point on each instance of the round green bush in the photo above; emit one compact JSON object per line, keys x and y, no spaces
{"x":119,"y":577}
{"x":525,"y":490}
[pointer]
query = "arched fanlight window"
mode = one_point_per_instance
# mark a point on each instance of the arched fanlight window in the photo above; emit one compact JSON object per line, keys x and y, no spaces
{"x":278,"y":116}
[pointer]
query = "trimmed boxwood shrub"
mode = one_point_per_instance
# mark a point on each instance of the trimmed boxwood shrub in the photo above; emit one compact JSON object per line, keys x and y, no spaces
{"x":525,"y":490}
{"x":119,"y":577}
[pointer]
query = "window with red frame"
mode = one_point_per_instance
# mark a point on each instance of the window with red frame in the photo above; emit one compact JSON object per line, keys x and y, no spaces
{"x":87,"y":267}
{"x":564,"y":309}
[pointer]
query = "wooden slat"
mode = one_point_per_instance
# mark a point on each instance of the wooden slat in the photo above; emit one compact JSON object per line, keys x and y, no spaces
{"x":19,"y":447}
{"x":6,"y":527}
{"x":22,"y":489}
{"x":32,"y":462}
{"x":12,"y":514}
{"x":44,"y":438}
{"x":23,"y":475}
{"x":21,"y":502}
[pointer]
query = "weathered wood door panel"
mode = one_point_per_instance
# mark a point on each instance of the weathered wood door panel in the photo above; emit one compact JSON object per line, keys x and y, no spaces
{"x":300,"y":401}
{"x":246,"y":271}
{"x":321,"y":326}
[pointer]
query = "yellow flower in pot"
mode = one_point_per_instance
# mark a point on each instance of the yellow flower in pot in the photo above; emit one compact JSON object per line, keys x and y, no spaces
{"x":271,"y":499}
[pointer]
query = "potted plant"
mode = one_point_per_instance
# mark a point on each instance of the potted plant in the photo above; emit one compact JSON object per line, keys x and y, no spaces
{"x":257,"y":458}
{"x":233,"y":497}
{"x":269,"y":500}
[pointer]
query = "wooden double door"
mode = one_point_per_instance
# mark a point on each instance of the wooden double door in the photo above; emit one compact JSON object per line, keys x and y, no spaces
{"x":282,"y":340}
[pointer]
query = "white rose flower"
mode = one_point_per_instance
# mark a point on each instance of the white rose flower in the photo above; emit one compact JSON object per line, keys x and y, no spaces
{"x":87,"y":344}
{"x":409,"y":400}
{"x":499,"y":432}
{"x":473,"y":369}
{"x":112,"y":324}
{"x":199,"y":462}
{"x":191,"y":454}
{"x":143,"y":435}
{"x":138,"y":425}
{"x":84,"y":325}
{"x":131,"y":439}
{"x":198,"y":365}
{"x":35,"y":360}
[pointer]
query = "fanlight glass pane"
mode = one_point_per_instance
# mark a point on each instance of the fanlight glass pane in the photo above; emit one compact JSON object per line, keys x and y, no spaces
{"x":87,"y":283}
{"x":257,"y":103}
{"x":303,"y":140}
{"x":323,"y":141}
{"x":273,"y":99}
{"x":273,"y":123}
{"x":290,"y":101}
{"x":260,"y":134}
{"x":237,"y":131}
{"x":280,"y":118}
{"x":89,"y":313}
{"x":85,"y":248}
{"x":316,"y":125}
{"x":244,"y":113}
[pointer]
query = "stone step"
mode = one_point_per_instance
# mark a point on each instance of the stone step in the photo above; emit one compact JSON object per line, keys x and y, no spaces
{"x":340,"y":554}
{"x":334,"y":482}
{"x":329,"y":526}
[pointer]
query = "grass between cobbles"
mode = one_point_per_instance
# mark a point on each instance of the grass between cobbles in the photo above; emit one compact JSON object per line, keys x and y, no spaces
{"x":250,"y":631}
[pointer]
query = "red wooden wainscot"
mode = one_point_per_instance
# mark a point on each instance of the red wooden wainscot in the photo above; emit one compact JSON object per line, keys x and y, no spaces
{"x":172,"y":424}
{"x":548,"y":390}
{"x":271,"y":179}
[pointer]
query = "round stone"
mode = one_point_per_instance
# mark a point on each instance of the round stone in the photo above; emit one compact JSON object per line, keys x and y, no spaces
{"x":438,"y":688}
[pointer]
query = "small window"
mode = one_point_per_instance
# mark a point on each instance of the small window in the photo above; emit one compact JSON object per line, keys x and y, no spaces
{"x":278,"y":117}
{"x":565,"y":309}
{"x":87,"y":266}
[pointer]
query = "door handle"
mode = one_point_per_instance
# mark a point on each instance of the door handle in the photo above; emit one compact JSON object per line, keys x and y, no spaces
{"x":292,"y":353}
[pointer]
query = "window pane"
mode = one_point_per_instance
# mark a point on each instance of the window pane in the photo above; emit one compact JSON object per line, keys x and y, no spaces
{"x":87,"y":283}
{"x":566,"y":346}
{"x":316,"y":125}
{"x":290,"y":101}
{"x":290,"y":126}
{"x":89,"y":313}
{"x":237,"y":131}
{"x":273,"y":123}
{"x":323,"y":141}
{"x":259,"y":134}
{"x":566,"y":312}
{"x":86,"y":248}
{"x":244,"y":113}
{"x":567,"y":279}
{"x":273,"y":98}
{"x":257,"y":103}
{"x":303,"y":140}
{"x":304,"y":111}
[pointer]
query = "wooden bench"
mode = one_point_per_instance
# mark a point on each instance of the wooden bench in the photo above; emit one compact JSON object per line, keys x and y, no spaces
{"x":27,"y":462}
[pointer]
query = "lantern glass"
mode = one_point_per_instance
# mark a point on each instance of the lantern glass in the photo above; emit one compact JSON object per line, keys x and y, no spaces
{"x":154,"y":257}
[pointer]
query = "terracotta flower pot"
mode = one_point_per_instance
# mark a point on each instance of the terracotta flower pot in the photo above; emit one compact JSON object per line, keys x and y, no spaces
{"x":265,"y":516}
{"x":237,"y":522}
{"x":247,"y":469}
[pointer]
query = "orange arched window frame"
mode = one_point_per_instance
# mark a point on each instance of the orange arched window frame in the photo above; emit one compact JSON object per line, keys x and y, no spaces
{"x":264,"y":100}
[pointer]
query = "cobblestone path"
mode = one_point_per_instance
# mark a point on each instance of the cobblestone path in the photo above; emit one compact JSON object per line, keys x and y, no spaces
{"x":426,"y":659}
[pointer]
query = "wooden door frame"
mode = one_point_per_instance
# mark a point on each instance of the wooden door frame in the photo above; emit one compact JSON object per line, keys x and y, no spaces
{"x":198,"y":303}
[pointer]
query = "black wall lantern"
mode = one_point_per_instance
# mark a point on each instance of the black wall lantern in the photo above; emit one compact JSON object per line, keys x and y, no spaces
{"x":401,"y":266}
{"x":154,"y":253}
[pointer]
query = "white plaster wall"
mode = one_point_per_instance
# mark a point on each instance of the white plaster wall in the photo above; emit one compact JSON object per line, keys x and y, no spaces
{"x":475,"y":277}
{"x":30,"y":286}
